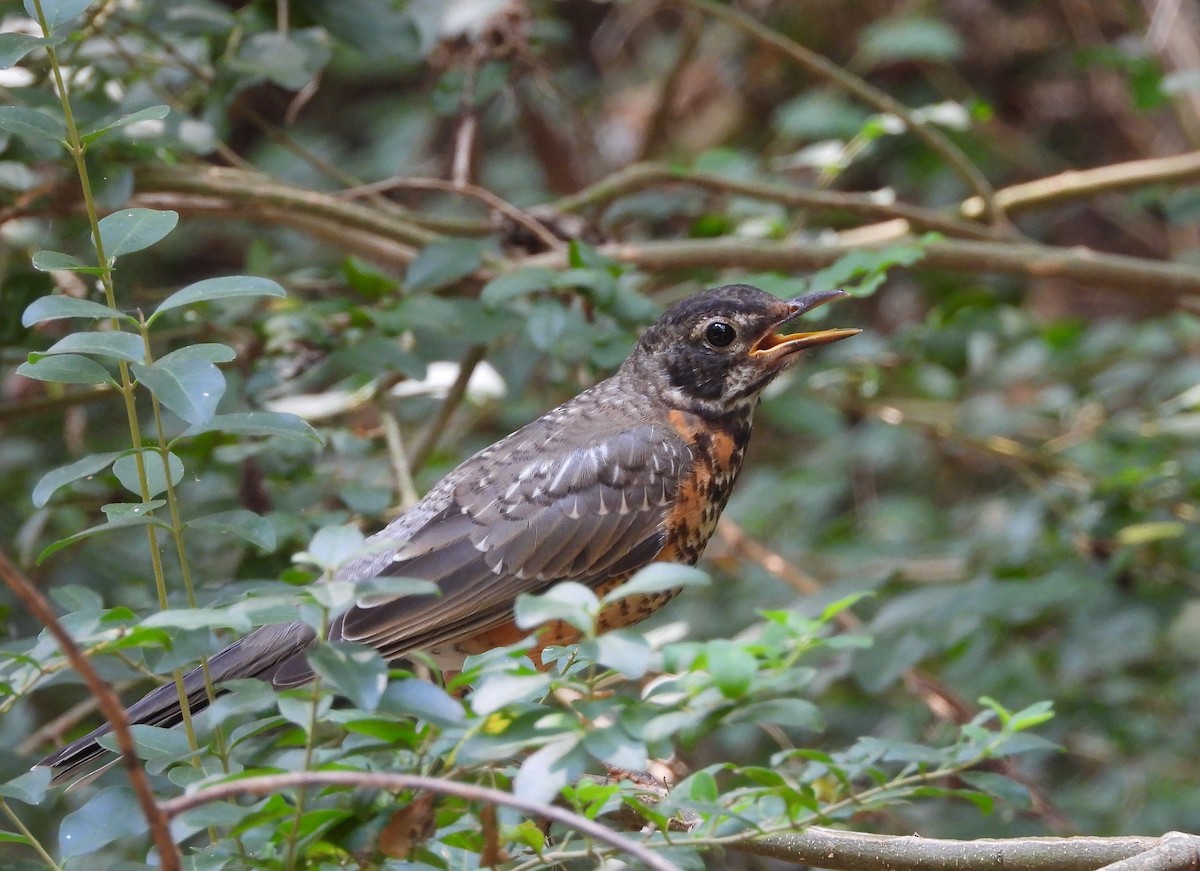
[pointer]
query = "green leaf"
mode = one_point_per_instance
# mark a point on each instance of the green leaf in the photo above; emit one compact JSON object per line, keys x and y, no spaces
{"x":790,"y":712}
{"x":420,"y":698}
{"x":571,"y":602}
{"x":499,"y":690}
{"x":66,"y":369}
{"x":258,"y":423}
{"x":30,"y":787}
{"x":64,"y":475}
{"x":356,"y":671}
{"x":867,"y":265}
{"x":119,"y":345}
{"x":581,"y":255}
{"x":122,"y":510}
{"x":626,"y":652}
{"x":156,"y":479}
{"x":14,"y":46}
{"x":109,"y":526}
{"x":290,"y":59}
{"x":333,"y":545}
{"x":1004,"y":788}
{"x":549,"y":769}
{"x":208,"y":352}
{"x":32,"y":124}
{"x":518,"y":283}
{"x":442,"y":263}
{"x":151,"y":113}
{"x":132,"y":230}
{"x":701,"y":787}
{"x":110,"y":814}
{"x":198,"y":618}
{"x":657,"y":578}
{"x":225,"y":287}
{"x":48,"y":261}
{"x":613,"y":746}
{"x":159,"y":747}
{"x":52,"y":308}
{"x":1034,"y":715}
{"x":187,"y":384}
{"x":732,"y":668}
{"x":57,"y":12}
{"x":909,"y":39}
{"x":1150,"y":531}
{"x":244,"y":524}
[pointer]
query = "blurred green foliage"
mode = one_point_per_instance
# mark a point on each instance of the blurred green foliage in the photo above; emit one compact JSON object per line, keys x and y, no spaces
{"x":1010,"y":467}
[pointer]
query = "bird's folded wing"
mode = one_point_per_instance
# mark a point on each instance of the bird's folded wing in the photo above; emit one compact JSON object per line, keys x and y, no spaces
{"x":588,"y":514}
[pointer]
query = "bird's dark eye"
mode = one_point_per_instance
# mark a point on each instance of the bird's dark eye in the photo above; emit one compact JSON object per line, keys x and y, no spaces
{"x":720,"y":334}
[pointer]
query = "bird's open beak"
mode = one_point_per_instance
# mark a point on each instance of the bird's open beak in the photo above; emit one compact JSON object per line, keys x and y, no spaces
{"x":776,"y":346}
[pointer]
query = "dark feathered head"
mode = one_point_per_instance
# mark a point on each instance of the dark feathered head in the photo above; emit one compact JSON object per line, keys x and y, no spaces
{"x":720,"y":348}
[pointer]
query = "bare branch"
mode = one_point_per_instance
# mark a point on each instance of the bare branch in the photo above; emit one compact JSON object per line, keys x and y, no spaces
{"x":870,"y":95}
{"x":642,"y":175}
{"x":109,"y":704}
{"x":857,"y":851}
{"x":269,"y":784}
{"x":1089,"y":182}
{"x":1029,"y":260}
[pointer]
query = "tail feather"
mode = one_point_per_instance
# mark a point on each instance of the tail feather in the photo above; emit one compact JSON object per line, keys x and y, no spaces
{"x":258,"y":655}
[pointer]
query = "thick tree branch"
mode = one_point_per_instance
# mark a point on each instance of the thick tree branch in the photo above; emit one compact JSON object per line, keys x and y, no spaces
{"x":1029,"y":260}
{"x":638,"y":176}
{"x":255,"y":190}
{"x":856,"y":851}
{"x":1076,"y":184}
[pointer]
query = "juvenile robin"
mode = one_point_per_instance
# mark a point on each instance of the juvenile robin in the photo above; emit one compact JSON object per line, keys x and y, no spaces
{"x":634,"y":470}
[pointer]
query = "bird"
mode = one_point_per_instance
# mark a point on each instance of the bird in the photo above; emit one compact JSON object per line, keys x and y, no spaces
{"x":634,"y":470}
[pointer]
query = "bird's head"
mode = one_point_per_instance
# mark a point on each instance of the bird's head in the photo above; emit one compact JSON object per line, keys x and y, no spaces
{"x":714,"y":352}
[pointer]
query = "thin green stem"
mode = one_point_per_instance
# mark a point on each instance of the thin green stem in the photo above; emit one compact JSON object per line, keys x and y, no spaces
{"x":29,"y":836}
{"x":309,"y":750}
{"x":77,"y":149}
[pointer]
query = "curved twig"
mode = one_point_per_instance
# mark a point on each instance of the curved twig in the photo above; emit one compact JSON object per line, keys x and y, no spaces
{"x":466,"y":189}
{"x":641,"y":175}
{"x":396,"y":782}
{"x":873,"y":97}
{"x":109,"y":704}
{"x":1030,"y":260}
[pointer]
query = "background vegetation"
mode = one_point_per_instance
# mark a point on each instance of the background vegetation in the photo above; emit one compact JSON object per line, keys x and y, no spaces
{"x":1006,"y":460}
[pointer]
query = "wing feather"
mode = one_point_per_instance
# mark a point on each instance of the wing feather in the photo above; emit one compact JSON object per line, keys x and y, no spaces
{"x":584,"y":514}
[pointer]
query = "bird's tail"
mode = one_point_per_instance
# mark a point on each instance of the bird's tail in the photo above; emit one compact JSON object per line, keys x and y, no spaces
{"x":258,"y":655}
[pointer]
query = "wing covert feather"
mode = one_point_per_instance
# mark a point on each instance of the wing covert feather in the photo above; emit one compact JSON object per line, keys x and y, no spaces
{"x":584,"y":514}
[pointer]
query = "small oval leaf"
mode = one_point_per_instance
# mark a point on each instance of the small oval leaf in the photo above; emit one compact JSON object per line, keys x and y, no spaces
{"x":48,"y":261}
{"x":225,"y":287}
{"x":117,"y":345}
{"x":190,"y":388}
{"x":356,"y":671}
{"x":151,"y":113}
{"x":31,"y":124}
{"x":156,"y":479}
{"x":258,"y":423}
{"x":132,"y":230}
{"x":657,"y":578}
{"x":64,"y":475}
{"x":66,"y":369}
{"x":52,"y":308}
{"x":244,"y":524}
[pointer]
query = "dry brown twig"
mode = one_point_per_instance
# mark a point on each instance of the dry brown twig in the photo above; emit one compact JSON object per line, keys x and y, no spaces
{"x":109,"y":704}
